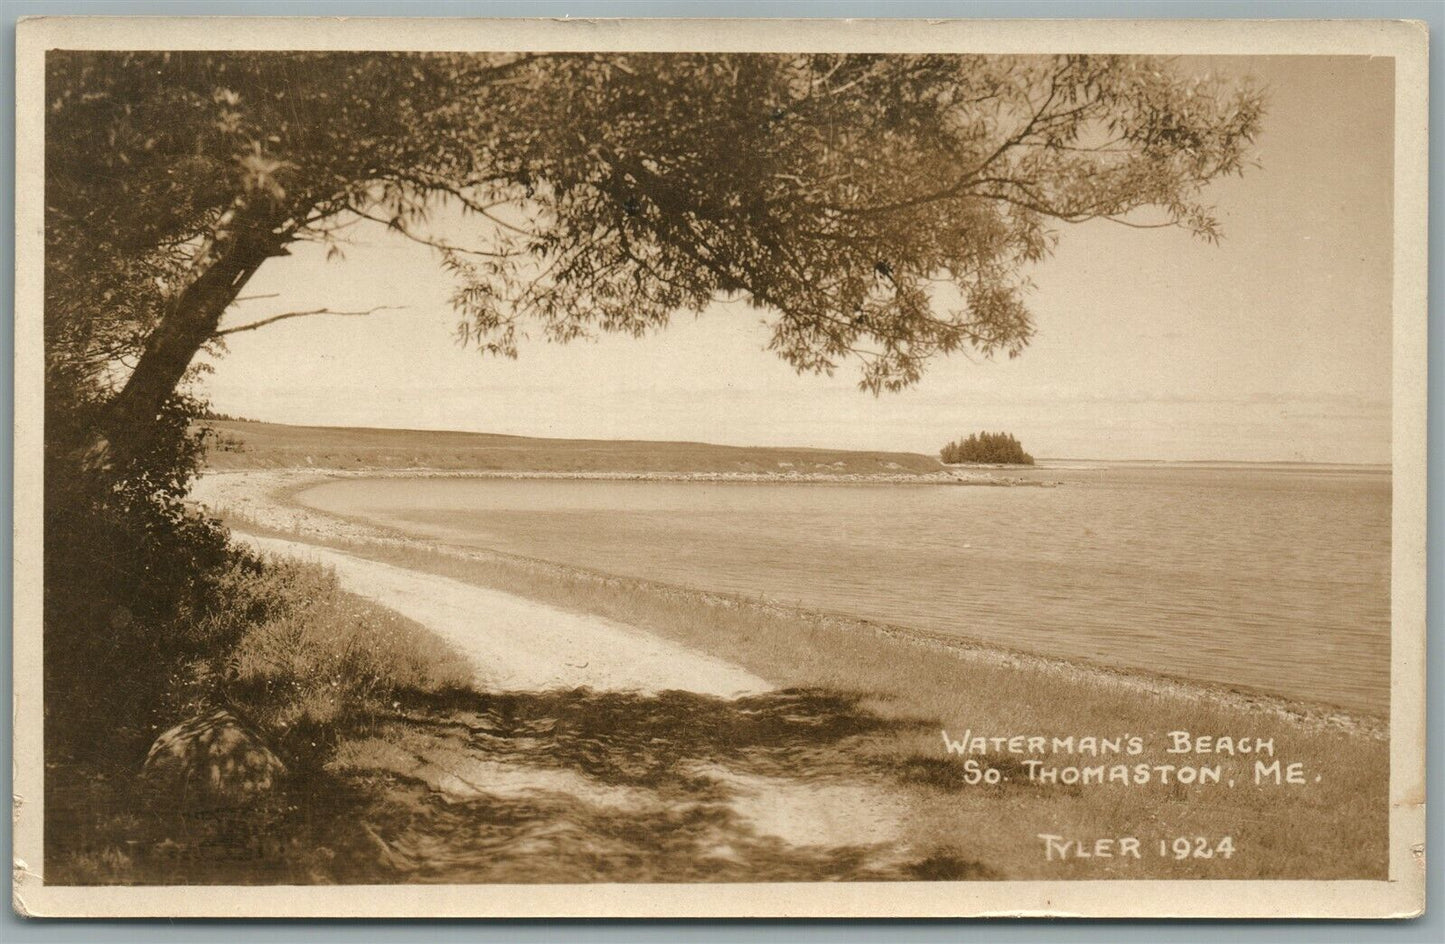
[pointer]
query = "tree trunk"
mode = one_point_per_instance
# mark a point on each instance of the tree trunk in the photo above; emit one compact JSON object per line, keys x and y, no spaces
{"x":244,"y":237}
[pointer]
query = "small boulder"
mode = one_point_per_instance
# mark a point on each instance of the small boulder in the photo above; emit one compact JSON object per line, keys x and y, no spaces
{"x":213,"y":759}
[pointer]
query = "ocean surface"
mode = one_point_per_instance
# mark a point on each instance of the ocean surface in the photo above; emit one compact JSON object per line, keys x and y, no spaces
{"x":1270,"y":578}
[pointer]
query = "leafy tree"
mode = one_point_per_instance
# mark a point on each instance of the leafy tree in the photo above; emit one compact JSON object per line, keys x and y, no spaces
{"x":883,"y":209}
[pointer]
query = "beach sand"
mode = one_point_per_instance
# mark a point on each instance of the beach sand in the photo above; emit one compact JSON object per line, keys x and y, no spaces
{"x":515,"y":644}
{"x":262,"y":501}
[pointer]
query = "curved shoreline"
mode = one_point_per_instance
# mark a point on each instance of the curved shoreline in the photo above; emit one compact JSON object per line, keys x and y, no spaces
{"x":265,"y":498}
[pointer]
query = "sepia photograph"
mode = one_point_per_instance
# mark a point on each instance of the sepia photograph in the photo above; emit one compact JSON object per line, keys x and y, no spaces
{"x":855,"y":469}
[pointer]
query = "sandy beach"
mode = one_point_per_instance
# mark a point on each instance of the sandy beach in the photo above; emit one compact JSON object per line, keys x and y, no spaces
{"x":523,"y":645}
{"x":459,"y":714}
{"x":260,"y":502}
{"x":809,"y":741}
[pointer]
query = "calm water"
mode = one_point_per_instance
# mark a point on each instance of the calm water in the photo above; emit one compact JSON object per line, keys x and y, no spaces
{"x":1275,"y":579}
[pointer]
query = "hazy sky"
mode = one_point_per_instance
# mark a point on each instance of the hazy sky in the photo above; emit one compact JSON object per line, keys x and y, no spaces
{"x":1151,"y":344}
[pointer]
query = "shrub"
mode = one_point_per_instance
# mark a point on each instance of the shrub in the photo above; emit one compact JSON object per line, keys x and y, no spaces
{"x":132,"y":579}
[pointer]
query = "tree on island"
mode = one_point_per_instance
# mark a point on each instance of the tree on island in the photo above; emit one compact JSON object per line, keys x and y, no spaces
{"x":880,"y":208}
{"x":990,"y":448}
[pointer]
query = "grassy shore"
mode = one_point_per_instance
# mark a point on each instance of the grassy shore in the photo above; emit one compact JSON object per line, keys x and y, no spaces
{"x":875,"y":701}
{"x":296,"y":659}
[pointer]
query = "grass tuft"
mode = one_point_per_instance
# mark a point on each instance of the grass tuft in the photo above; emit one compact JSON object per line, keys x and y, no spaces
{"x":328,"y":659}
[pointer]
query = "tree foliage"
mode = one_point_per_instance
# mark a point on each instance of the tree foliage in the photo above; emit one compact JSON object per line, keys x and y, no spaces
{"x":881,"y":209}
{"x":991,"y":448}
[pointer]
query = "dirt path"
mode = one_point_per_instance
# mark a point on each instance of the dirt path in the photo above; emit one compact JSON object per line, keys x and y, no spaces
{"x":517,"y":644}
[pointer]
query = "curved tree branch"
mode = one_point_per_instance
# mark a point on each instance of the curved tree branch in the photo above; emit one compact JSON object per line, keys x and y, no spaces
{"x":301,"y":314}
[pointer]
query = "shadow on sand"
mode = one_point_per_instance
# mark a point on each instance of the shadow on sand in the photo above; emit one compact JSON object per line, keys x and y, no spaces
{"x":583,"y":786}
{"x":575,"y":786}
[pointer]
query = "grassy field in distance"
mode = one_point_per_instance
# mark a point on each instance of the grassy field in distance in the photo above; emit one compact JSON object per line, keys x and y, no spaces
{"x":243,"y":444}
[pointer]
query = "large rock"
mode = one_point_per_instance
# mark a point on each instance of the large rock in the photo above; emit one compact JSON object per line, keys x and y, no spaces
{"x":213,"y":759}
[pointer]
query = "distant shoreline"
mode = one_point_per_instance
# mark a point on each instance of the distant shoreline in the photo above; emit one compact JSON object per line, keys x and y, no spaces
{"x":249,"y":444}
{"x":947,"y":477}
{"x":266,"y":441}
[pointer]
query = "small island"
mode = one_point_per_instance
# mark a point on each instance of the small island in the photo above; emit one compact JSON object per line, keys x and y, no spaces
{"x":985,"y":449}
